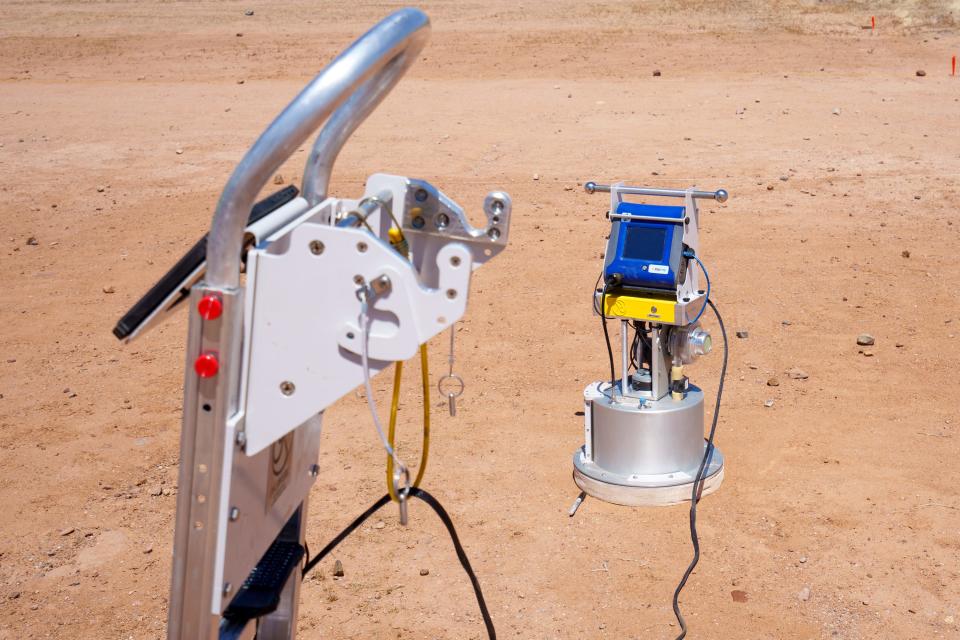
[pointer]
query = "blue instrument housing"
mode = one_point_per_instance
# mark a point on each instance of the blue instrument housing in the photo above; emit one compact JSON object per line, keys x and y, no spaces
{"x":646,"y":253}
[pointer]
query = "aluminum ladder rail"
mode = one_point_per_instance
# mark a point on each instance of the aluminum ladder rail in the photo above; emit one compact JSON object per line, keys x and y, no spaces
{"x":342,"y":95}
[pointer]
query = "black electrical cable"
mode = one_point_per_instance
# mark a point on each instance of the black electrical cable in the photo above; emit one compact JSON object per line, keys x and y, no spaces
{"x":434,"y":504}
{"x":606,"y":336}
{"x":699,"y":480}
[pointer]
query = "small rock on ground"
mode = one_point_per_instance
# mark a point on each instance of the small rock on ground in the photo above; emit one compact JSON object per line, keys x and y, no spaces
{"x":424,"y":572}
{"x":797,"y":374}
{"x":865,"y":340}
{"x":338,"y":569}
{"x":773,"y":382}
{"x":804,"y":594}
{"x":743,"y":334}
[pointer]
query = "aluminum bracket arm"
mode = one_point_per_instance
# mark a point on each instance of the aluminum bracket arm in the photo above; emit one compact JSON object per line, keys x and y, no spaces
{"x":366,"y":70}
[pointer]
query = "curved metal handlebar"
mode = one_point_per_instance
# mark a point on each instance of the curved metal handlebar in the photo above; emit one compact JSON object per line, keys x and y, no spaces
{"x":344,"y":121}
{"x":366,"y":71}
{"x":720,"y":195}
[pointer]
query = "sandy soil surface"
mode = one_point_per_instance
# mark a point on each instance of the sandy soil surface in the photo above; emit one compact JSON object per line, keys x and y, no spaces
{"x":840,"y":514}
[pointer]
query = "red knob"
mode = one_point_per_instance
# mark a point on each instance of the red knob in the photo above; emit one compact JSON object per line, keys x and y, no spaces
{"x":210,"y":307}
{"x":206,"y":365}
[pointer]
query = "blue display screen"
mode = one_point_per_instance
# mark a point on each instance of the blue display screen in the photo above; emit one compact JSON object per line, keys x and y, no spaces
{"x":644,"y":243}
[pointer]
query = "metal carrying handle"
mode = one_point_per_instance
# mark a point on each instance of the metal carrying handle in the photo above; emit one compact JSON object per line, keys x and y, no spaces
{"x":720,"y":195}
{"x":353,"y":85}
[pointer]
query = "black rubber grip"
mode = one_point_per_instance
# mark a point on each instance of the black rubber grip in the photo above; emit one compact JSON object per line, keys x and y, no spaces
{"x":186,"y":265}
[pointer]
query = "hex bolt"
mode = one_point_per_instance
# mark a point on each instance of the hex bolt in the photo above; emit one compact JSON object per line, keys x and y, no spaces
{"x":381,"y":284}
{"x":316,"y":247}
{"x":494,"y":234}
{"x":287,"y":388}
{"x":442,"y":221}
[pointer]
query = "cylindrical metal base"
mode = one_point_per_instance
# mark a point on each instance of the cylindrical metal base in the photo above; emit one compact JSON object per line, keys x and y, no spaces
{"x":644,"y":453}
{"x":649,"y":495}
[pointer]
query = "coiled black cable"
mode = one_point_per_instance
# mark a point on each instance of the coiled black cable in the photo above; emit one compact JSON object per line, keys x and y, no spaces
{"x":420,"y":494}
{"x":699,"y":480}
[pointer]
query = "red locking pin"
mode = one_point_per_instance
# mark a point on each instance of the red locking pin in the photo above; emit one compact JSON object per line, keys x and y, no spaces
{"x":206,"y":365}
{"x":210,"y":307}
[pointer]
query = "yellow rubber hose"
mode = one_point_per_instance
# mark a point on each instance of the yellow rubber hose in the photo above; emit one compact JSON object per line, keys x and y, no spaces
{"x":392,"y":430}
{"x":425,"y":381}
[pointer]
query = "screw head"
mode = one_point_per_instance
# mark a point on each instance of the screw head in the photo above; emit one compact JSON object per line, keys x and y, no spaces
{"x":316,"y":247}
{"x":362,"y":247}
{"x":287,"y":388}
{"x":451,"y":293}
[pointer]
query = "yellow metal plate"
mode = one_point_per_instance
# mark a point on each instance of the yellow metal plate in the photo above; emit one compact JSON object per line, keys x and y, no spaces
{"x":637,"y":308}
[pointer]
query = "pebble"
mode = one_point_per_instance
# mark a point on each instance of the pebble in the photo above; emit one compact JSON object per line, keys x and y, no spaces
{"x":32,"y":241}
{"x":109,"y":290}
{"x":338,"y":569}
{"x":797,"y":374}
{"x":156,"y":491}
{"x":921,"y":73}
{"x":656,"y":73}
{"x":101,"y":189}
{"x":424,"y":572}
{"x":248,"y":12}
{"x":768,"y":403}
{"x":743,"y":334}
{"x":804,"y":594}
{"x":948,"y":619}
{"x":769,"y":187}
{"x":786,"y":323}
{"x":536,"y":176}
{"x":803,"y":559}
{"x":278,"y":179}
{"x":836,"y":111}
{"x":865,"y":340}
{"x":905,"y":253}
{"x":179,"y":152}
{"x":773,"y":382}
{"x":148,"y":548}
{"x":379,"y":525}
{"x":784,"y":178}
{"x":67,"y":531}
{"x":867,"y":353}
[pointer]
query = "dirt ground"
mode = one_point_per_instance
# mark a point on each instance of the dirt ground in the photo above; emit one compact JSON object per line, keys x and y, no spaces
{"x":840,"y":513}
